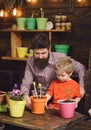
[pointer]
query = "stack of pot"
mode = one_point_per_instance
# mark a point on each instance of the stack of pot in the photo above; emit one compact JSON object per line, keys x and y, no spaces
{"x":61,"y":23}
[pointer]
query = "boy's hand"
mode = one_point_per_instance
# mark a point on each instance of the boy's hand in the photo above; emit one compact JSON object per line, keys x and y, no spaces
{"x":46,"y":105}
{"x":76,"y":104}
{"x":77,"y":101}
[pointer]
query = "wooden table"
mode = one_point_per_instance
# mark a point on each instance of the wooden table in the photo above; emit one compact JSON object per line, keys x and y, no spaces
{"x":50,"y":120}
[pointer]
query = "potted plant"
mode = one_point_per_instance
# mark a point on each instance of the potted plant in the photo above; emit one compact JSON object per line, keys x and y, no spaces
{"x":38,"y":101}
{"x":67,"y":106}
{"x":2,"y":97}
{"x":16,"y":103}
{"x":3,"y":106}
{"x":42,"y":21}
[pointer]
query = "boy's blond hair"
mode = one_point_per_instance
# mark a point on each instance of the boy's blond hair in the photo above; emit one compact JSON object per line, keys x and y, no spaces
{"x":64,"y":64}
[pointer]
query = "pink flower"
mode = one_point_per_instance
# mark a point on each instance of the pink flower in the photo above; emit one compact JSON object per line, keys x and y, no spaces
{"x":15,"y":92}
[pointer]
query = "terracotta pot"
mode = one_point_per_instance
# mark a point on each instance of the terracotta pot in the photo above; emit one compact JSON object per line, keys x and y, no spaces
{"x":38,"y":104}
{"x":67,"y":109}
{"x":7,"y":99}
{"x":2,"y":97}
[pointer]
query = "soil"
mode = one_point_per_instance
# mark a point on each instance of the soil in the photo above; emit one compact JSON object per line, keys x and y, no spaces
{"x":67,"y":101}
{"x":40,"y":97}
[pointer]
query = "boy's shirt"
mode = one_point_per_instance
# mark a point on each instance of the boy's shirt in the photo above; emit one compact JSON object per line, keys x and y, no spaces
{"x":63,"y":90}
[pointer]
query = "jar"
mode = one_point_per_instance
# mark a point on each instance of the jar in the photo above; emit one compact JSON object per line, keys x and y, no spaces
{"x":57,"y":26}
{"x":14,"y":26}
{"x":63,"y":18}
{"x":68,"y":26}
{"x":63,"y":26}
{"x":57,"y":18}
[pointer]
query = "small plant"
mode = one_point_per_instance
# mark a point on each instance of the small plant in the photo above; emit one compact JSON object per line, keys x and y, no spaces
{"x":69,"y":92}
{"x":15,"y":94}
{"x":42,"y":12}
{"x":35,"y":90}
{"x":32,"y":16}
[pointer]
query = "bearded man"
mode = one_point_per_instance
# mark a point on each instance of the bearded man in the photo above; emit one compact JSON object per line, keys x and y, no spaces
{"x":40,"y":67}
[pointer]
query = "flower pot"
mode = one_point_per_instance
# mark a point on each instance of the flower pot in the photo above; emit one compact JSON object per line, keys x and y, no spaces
{"x":21,"y":23}
{"x":66,"y":109}
{"x":7,"y":99}
{"x":21,"y":52}
{"x":38,"y":104}
{"x":2,"y":97}
{"x":41,"y":23}
{"x":3,"y":108}
{"x":31,"y":23}
{"x":63,"y":48}
{"x":8,"y":94}
{"x":16,"y":108}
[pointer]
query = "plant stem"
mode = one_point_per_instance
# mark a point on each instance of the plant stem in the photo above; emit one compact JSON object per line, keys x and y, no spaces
{"x":32,"y":14}
{"x":42,"y":12}
{"x":34,"y":84}
{"x":40,"y":89}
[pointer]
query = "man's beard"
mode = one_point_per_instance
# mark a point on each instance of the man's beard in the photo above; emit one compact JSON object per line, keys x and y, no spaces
{"x":41,"y":63}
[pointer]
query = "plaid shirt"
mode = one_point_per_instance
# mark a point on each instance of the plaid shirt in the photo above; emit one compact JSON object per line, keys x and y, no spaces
{"x":45,"y":76}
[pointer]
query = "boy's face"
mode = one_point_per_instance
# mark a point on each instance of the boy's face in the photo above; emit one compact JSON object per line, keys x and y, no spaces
{"x":63,"y":77}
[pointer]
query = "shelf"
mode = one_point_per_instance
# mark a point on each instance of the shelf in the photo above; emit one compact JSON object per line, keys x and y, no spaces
{"x":16,"y":40}
{"x":19,"y":30}
{"x":13,"y":58}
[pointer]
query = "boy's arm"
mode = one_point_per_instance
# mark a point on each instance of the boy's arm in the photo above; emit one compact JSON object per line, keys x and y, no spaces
{"x":48,"y":98}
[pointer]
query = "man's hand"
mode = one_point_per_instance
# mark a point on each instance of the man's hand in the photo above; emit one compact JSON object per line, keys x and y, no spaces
{"x":82,"y":91}
{"x":28,"y":101}
{"x":89,"y":112}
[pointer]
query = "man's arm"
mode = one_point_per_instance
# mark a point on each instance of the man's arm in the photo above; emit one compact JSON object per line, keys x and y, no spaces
{"x":27,"y":80}
{"x":81,"y":71}
{"x":25,"y":86}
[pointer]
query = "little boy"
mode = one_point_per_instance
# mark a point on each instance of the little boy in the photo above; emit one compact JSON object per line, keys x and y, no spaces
{"x":63,"y":87}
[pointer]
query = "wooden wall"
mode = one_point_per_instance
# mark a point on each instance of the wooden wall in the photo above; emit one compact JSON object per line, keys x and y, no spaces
{"x":80,"y":37}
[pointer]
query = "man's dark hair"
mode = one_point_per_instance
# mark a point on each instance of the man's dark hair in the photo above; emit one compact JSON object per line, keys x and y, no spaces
{"x":41,"y":40}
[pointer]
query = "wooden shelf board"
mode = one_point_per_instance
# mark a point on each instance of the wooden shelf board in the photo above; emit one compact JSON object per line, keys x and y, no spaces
{"x":16,"y":36}
{"x":17,"y":30}
{"x":13,"y":58}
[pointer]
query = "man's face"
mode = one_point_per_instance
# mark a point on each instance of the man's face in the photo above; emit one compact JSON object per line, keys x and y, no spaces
{"x":41,"y":57}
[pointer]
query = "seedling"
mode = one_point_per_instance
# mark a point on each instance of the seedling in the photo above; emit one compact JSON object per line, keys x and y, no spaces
{"x":35,"y":90}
